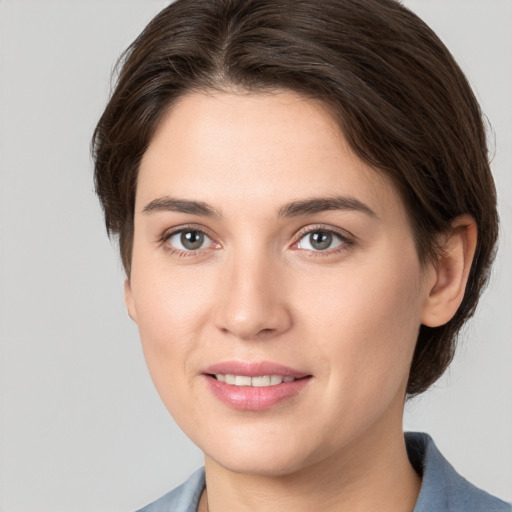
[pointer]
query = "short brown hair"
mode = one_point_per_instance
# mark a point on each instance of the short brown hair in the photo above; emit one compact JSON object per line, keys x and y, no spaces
{"x":400,"y":99}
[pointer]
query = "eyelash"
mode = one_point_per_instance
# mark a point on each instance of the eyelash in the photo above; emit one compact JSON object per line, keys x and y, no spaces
{"x":346,"y":239}
{"x":178,"y":252}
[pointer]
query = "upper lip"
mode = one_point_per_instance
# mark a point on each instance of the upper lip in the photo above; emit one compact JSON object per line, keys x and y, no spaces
{"x":253,"y":369}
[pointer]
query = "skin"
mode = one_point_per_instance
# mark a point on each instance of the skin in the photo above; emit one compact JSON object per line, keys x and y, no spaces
{"x":257,"y":290}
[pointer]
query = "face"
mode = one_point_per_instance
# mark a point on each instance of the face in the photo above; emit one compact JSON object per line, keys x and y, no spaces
{"x":274,"y":281}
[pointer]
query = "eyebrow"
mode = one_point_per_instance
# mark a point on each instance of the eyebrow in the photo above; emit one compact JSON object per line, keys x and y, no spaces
{"x":293,"y":209}
{"x":171,"y":204}
{"x":322,"y":204}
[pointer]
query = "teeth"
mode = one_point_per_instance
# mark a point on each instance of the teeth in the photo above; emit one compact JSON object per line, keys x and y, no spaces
{"x":241,"y":380}
{"x":260,"y":381}
{"x":275,"y":379}
{"x":230,"y":379}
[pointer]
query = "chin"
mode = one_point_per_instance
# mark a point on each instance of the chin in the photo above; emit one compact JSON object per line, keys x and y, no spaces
{"x":264,"y":466}
{"x":266,"y":458}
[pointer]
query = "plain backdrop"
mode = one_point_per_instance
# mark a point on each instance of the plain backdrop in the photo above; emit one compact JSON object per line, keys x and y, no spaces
{"x":81,"y":426}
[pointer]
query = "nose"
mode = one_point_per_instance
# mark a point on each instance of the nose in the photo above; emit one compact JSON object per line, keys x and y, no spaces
{"x":251,"y":302}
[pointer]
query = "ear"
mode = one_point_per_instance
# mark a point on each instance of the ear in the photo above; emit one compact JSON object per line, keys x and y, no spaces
{"x":450,"y":275}
{"x":128,"y":300}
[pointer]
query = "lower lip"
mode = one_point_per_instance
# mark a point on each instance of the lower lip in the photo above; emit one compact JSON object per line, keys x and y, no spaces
{"x":249,"y":398}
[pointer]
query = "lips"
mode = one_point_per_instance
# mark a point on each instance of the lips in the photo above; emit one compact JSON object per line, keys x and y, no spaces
{"x":254,"y":386}
{"x":259,"y":381}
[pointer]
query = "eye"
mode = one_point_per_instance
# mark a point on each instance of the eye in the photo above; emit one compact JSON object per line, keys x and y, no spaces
{"x":320,"y":240}
{"x":188,"y":240}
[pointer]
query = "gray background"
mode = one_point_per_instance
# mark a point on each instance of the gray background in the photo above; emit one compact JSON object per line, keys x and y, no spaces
{"x":81,"y":427}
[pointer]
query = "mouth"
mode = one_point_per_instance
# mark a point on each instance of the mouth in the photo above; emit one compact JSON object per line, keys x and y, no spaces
{"x":260,"y":381}
{"x":255,"y":386}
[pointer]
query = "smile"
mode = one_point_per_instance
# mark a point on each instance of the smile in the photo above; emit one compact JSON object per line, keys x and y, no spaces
{"x":257,"y":382}
{"x":255,"y":386}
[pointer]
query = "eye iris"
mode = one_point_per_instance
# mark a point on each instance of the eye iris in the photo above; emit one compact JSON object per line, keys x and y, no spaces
{"x":192,"y":239}
{"x":320,"y":240}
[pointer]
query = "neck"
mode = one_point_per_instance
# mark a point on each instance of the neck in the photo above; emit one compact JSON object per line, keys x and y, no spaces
{"x":373,"y":474}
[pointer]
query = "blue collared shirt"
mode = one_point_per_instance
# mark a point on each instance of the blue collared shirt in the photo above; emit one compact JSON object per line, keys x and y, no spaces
{"x":442,"y":488}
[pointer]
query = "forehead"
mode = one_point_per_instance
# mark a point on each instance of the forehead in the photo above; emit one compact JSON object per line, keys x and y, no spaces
{"x":255,"y":148}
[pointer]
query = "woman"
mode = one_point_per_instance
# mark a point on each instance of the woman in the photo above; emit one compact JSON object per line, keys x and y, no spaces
{"x":306,"y":217}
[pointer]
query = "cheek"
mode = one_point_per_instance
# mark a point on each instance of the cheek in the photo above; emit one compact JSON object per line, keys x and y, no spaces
{"x":172,"y":311}
{"x":365,"y":325}
{"x":171,"y":302}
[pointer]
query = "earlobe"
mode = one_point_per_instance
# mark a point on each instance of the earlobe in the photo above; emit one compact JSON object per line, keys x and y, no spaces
{"x":128,"y":300}
{"x":451,"y":272}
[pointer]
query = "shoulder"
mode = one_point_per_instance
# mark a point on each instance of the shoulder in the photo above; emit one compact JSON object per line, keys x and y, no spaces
{"x":184,"y":498}
{"x":442,"y":488}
